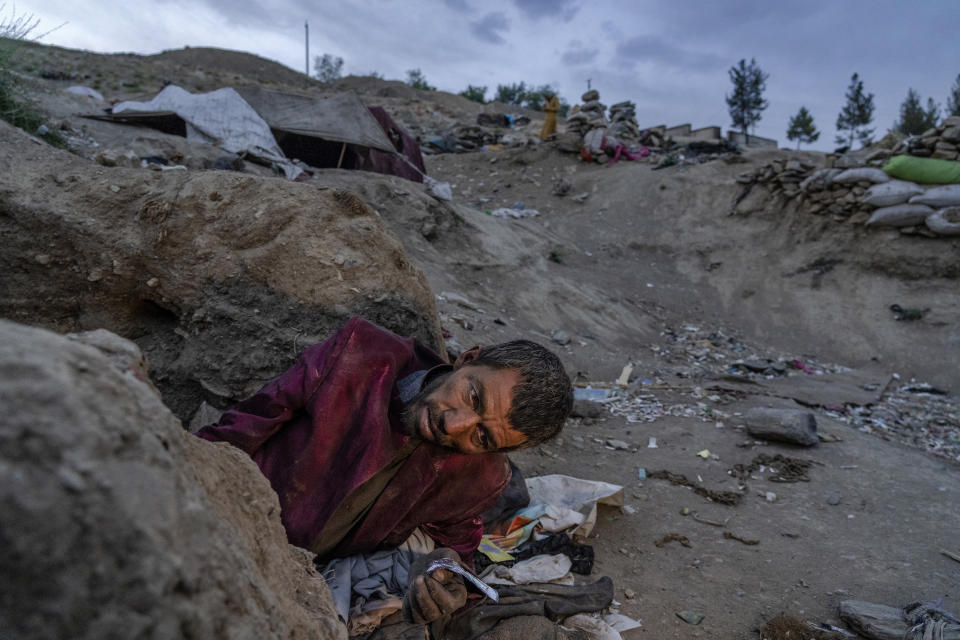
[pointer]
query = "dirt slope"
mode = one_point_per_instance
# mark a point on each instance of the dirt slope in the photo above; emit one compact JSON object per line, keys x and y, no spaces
{"x":647,"y":257}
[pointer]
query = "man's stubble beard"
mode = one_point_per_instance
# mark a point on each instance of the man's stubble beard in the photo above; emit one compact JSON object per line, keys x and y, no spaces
{"x":410,"y":417}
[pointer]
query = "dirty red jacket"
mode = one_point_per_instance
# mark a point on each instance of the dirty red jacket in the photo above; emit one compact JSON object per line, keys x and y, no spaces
{"x":332,"y":421}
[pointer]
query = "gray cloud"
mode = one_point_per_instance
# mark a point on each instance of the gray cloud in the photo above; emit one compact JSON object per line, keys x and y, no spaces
{"x":536,"y":9}
{"x":666,"y":54}
{"x":459,"y":5}
{"x":578,"y":54}
{"x":488,"y":27}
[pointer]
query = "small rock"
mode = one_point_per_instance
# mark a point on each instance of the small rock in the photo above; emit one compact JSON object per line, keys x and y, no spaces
{"x":690,"y":617}
{"x":42,"y":258}
{"x":153,"y":282}
{"x":95,"y":276}
{"x":586,"y":409}
{"x":620,"y":445}
{"x":560,"y":337}
{"x":833,"y":499}
{"x":629,"y":594}
{"x":770,"y":496}
{"x":580,"y":197}
{"x":114,"y":188}
{"x":428,"y":230}
{"x":107,"y":159}
{"x":785,"y":425}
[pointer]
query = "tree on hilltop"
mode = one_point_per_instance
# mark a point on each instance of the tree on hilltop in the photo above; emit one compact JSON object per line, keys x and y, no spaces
{"x":856,"y":115}
{"x":746,"y":103}
{"x":511,"y":93}
{"x":477,"y":94}
{"x":914,"y":119}
{"x":327,"y":68}
{"x":417,"y":80}
{"x":953,"y":100}
{"x":801,"y":128}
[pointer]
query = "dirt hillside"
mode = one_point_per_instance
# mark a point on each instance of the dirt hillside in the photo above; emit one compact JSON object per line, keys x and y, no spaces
{"x":714,"y":300}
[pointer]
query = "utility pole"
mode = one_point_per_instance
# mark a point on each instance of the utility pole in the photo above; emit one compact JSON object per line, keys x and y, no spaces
{"x":306,"y":29}
{"x":588,"y":84}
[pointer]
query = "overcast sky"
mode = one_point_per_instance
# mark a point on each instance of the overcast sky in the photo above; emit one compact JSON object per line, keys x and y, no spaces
{"x":669,"y":57}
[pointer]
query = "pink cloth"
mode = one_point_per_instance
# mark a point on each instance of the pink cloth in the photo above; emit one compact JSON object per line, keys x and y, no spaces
{"x":332,"y":421}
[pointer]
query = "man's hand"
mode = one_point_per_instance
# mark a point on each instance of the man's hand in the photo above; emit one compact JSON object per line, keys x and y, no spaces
{"x":434,"y":595}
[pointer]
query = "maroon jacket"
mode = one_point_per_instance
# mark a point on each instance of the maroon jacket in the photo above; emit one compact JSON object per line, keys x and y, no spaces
{"x":332,"y":421}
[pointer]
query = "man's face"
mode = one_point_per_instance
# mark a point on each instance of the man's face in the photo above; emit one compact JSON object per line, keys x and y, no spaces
{"x":466,"y":410}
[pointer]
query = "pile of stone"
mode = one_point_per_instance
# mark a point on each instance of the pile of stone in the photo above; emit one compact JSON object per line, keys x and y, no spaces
{"x":472,"y":137}
{"x":588,"y":116}
{"x":864,"y":195}
{"x":780,"y":176}
{"x":939,"y":142}
{"x":838,"y":192}
{"x":623,"y":127}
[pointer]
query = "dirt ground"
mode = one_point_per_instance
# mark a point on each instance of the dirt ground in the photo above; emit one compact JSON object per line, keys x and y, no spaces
{"x":650,"y":268}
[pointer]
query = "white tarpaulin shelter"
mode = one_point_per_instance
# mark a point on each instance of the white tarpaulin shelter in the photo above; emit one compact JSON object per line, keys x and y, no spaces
{"x":221,"y":118}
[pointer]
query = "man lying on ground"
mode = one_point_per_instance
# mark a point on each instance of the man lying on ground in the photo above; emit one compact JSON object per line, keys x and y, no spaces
{"x":370,"y":436}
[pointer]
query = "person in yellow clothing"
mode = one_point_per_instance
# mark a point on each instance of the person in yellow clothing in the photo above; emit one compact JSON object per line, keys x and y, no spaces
{"x":550,"y":124}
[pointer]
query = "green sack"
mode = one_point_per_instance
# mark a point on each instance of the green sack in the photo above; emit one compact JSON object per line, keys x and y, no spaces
{"x":923,"y":170}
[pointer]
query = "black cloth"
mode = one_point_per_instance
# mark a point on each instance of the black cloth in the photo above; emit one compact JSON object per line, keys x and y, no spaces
{"x":581,"y":555}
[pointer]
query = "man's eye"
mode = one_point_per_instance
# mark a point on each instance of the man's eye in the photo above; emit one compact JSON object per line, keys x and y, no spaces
{"x":474,"y":398}
{"x":484,"y":440}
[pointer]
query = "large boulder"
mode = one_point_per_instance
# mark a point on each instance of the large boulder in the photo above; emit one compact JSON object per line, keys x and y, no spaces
{"x":221,"y":278}
{"x":116,"y":523}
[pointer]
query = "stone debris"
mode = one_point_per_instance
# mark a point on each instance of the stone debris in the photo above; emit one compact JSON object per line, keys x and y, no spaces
{"x":912,"y":413}
{"x":861,"y":194}
{"x":589,"y":115}
{"x":939,"y":142}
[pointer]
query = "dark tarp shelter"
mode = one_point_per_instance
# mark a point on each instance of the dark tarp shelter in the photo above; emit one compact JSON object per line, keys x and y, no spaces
{"x":337,"y":131}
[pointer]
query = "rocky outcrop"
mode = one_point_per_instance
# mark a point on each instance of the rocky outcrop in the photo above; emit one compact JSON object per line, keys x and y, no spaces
{"x":116,"y":523}
{"x":221,"y":278}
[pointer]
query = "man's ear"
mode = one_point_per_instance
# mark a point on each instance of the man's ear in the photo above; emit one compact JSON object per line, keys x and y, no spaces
{"x":467,"y":356}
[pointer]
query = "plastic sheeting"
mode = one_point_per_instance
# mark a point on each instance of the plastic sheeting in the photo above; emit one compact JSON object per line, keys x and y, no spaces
{"x":221,"y":118}
{"x":575,"y":494}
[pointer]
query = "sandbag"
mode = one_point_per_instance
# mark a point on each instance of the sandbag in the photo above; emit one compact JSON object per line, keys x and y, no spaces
{"x":944,"y":222}
{"x":901,"y":215}
{"x":923,"y":170}
{"x":891,"y":193}
{"x":861,"y":174}
{"x":939,"y":197}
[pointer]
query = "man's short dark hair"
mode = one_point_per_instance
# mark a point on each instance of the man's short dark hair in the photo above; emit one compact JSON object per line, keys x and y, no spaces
{"x":544,"y":396}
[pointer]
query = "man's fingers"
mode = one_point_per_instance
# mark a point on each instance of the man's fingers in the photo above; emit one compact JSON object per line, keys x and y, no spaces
{"x":442,"y":575}
{"x":426,"y":607}
{"x":449,"y":597}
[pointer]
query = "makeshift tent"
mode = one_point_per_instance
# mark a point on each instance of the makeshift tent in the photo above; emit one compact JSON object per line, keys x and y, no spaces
{"x":408,"y":165}
{"x":221,"y":118}
{"x":337,"y":131}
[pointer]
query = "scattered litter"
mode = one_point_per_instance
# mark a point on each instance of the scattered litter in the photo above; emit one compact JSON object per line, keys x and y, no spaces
{"x":690,"y":617}
{"x":951,"y":554}
{"x":723,"y":497}
{"x":575,"y":494}
{"x":593,"y":394}
{"x":503,"y":212}
{"x":618,"y":445}
{"x":624,"y":378}
{"x":782,"y":468}
{"x":627,"y":509}
{"x":541,"y":568}
{"x":770,"y":496}
{"x":746,"y":541}
{"x":652,"y":443}
{"x":673,"y":537}
{"x":712,"y":523}
{"x":642,"y":473}
{"x":704,"y":454}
